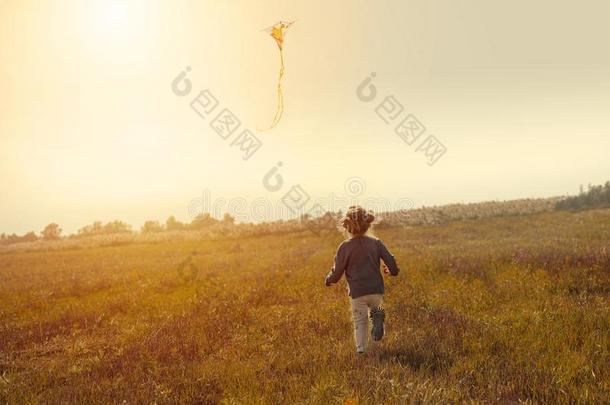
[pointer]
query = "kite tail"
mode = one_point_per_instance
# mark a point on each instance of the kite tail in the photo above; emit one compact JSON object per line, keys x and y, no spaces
{"x":280,"y":96}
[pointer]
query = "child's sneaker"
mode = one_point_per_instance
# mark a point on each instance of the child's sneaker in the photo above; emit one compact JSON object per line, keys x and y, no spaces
{"x":377,"y":316}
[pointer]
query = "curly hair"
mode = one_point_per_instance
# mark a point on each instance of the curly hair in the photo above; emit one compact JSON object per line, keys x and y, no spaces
{"x":357,"y":220}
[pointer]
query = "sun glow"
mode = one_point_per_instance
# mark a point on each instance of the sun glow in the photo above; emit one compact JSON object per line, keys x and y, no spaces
{"x":116,"y":22}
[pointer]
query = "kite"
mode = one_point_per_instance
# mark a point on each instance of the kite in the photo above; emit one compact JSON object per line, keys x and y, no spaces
{"x":277,"y":32}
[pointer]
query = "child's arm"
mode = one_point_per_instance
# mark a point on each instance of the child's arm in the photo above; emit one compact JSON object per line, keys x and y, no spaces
{"x":388,"y":259}
{"x":338,"y":269}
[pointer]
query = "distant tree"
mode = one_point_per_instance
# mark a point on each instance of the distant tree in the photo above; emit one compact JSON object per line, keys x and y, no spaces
{"x":202,"y":221}
{"x":30,"y":237}
{"x":152,"y":226}
{"x":173,"y":225}
{"x":3,"y":239}
{"x":97,"y":228}
{"x":117,"y":227}
{"x":94,"y":229}
{"x":594,"y":197}
{"x":228,"y":219}
{"x":51,"y":232}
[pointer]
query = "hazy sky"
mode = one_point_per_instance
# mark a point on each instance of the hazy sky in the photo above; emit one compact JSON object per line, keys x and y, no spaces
{"x":518,"y":92}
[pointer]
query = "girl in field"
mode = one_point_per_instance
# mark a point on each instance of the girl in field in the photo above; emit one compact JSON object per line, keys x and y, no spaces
{"x":359,"y":258}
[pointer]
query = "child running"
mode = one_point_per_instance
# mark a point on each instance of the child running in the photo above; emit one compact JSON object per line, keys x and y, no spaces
{"x":359,"y":258}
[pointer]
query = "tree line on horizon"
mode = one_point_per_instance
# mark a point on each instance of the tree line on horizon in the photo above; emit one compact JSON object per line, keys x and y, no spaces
{"x":54,"y":232}
{"x":593,"y":197}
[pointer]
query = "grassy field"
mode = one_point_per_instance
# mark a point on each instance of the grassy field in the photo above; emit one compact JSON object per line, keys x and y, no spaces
{"x":498,"y":309}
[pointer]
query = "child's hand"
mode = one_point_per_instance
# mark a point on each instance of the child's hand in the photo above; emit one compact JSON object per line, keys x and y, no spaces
{"x":385,"y":269}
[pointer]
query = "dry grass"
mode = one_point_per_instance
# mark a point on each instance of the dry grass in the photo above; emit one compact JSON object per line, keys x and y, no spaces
{"x":500,"y":309}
